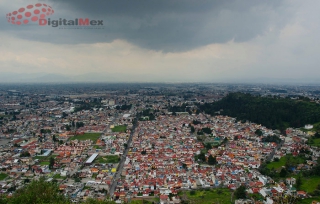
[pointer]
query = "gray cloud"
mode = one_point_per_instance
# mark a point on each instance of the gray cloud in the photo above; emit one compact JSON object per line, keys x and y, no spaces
{"x":166,"y":40}
{"x":167,"y":25}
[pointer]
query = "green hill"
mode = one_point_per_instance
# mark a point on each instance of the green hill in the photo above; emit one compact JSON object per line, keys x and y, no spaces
{"x":272,"y":112}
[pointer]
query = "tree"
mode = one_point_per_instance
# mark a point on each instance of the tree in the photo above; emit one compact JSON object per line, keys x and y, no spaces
{"x":45,"y":131}
{"x":51,"y":163}
{"x":258,"y":132}
{"x":54,"y":139}
{"x":77,"y":179}
{"x":283,"y":172}
{"x":208,"y":146}
{"x":286,"y":199}
{"x":68,"y":127}
{"x":271,"y":138}
{"x":184,"y":166}
{"x":272,"y":112}
{"x":25,"y":154}
{"x":192,"y":129}
{"x":41,"y":191}
{"x":212,"y":160}
{"x":38,"y":191}
{"x":207,"y":130}
{"x":79,"y":124}
{"x":196,"y":122}
{"x":64,"y":114}
{"x":201,"y":156}
{"x":299,"y":182}
{"x":240,"y":192}
{"x":60,"y":142}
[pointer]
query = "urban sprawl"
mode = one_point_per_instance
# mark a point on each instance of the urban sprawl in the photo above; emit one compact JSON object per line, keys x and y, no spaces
{"x":126,"y":145}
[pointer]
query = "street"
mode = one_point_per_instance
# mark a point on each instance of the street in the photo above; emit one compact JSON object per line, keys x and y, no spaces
{"x":121,"y":164}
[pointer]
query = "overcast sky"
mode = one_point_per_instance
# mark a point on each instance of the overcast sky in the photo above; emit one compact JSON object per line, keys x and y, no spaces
{"x":167,"y":41}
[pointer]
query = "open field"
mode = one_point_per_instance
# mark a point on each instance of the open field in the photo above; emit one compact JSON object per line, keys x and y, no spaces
{"x":120,"y":128}
{"x":310,"y":184}
{"x":44,"y":158}
{"x":87,"y":136}
{"x":44,"y":163}
{"x":282,"y":162}
{"x":308,"y":200}
{"x":3,"y":176}
{"x":208,"y":196}
{"x":144,"y":200}
{"x":58,"y":176}
{"x":107,"y":159}
{"x":316,"y":142}
{"x":278,"y":164}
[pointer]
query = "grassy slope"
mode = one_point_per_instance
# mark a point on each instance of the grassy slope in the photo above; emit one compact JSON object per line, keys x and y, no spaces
{"x":277,"y":165}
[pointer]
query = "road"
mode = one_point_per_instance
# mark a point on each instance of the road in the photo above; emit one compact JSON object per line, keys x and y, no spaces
{"x":121,"y":164}
{"x":274,"y":151}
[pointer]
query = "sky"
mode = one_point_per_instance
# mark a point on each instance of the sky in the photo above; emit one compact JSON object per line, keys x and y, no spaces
{"x":164,"y":41}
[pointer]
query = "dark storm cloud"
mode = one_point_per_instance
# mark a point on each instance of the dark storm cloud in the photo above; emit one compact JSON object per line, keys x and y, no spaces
{"x":168,"y":25}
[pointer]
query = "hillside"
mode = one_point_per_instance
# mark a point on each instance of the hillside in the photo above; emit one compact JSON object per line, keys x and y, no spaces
{"x":275,"y":113}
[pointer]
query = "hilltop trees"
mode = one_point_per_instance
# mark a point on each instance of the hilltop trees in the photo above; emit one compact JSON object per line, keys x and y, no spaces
{"x":274,"y":113}
{"x":38,"y":191}
{"x":41,"y":191}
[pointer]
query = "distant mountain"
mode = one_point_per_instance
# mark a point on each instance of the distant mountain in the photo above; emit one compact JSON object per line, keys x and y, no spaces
{"x":96,"y":77}
{"x":51,"y":78}
{"x":55,"y":78}
{"x":61,"y":78}
{"x":9,"y":77}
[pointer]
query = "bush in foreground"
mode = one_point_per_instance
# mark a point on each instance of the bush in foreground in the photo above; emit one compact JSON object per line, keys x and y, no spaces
{"x":41,"y":191}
